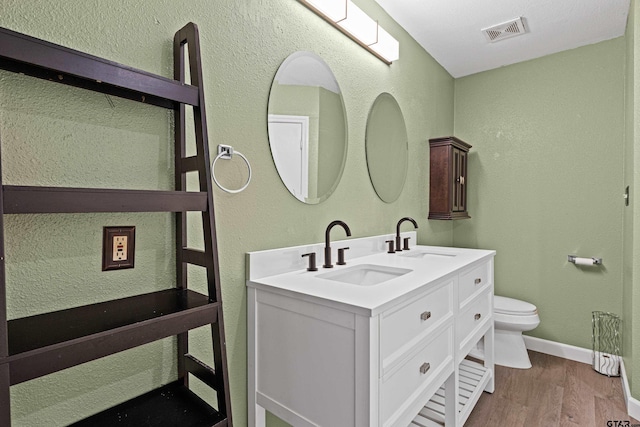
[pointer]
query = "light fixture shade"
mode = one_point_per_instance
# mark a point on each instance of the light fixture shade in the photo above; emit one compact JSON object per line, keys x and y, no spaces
{"x":359,"y":24}
{"x":336,"y":10}
{"x":386,"y":46}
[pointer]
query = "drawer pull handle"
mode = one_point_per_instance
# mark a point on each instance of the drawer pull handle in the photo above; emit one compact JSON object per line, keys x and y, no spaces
{"x":424,"y":368}
{"x":478,"y":281}
{"x":426,"y":315}
{"x":477,"y":316}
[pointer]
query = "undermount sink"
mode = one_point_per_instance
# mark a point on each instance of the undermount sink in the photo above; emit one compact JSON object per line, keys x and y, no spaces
{"x":424,"y":254}
{"x":365,"y":274}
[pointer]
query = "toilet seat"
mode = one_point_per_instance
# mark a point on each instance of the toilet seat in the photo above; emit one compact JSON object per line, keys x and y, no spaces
{"x":513,"y":307}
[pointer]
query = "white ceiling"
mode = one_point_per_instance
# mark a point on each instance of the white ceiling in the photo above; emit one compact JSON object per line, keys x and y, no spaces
{"x":450,"y":30}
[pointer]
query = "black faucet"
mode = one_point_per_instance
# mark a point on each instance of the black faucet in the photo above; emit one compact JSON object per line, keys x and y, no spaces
{"x":406,"y":218}
{"x":327,"y":245}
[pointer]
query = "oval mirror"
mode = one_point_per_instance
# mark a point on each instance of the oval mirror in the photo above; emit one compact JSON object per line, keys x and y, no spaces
{"x":386,"y":147}
{"x":307,"y":127}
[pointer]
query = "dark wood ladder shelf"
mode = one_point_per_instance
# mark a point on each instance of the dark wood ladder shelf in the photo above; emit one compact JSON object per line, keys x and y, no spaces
{"x":34,"y":346}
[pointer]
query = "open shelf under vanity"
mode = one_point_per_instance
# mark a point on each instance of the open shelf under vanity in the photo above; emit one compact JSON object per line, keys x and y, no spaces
{"x":473,"y":378}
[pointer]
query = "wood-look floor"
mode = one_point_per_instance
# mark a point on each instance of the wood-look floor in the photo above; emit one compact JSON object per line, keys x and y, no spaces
{"x":554,"y":392}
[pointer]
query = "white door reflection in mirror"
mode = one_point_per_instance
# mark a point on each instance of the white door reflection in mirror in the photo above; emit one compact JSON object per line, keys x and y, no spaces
{"x":304,"y":86}
{"x":290,"y":151}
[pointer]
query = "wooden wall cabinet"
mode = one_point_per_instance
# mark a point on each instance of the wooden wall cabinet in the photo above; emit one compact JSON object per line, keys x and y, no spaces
{"x":448,"y":178}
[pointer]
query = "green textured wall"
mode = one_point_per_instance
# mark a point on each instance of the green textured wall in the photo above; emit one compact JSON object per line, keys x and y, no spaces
{"x":546,"y":168}
{"x":56,"y":135}
{"x":633,"y":323}
{"x":627,"y":273}
{"x":631,"y":289}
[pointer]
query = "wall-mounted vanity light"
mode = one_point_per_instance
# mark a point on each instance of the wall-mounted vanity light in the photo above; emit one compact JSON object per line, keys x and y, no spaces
{"x":355,"y":23}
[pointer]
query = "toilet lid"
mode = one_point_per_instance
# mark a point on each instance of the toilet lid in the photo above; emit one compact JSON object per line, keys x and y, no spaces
{"x":513,"y":306}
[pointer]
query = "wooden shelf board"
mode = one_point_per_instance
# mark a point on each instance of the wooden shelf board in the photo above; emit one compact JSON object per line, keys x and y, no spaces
{"x":38,"y":58}
{"x":49,"y":342}
{"x":28,"y":199}
{"x":170,"y":405}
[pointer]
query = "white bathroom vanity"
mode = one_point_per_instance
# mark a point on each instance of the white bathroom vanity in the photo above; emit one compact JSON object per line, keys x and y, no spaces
{"x":380,"y":341}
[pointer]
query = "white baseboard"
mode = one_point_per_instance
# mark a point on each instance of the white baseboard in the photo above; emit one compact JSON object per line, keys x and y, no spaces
{"x":557,"y":349}
{"x":583,"y":355}
{"x":633,"y":405}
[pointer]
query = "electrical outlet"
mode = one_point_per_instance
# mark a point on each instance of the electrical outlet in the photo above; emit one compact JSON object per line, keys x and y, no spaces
{"x":118,"y":245}
{"x":119,"y":248}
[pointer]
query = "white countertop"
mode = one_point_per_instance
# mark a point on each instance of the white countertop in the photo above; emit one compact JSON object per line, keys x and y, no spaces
{"x":369,"y":300}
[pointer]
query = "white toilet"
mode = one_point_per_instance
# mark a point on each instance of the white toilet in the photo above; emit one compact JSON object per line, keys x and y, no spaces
{"x":512,"y":318}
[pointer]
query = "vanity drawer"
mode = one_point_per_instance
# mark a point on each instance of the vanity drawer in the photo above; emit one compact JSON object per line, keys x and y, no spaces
{"x":473,"y":317}
{"x":404,"y":326}
{"x":412,"y":378}
{"x":473,"y":280}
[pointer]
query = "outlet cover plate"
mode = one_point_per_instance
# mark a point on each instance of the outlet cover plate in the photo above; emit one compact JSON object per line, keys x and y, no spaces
{"x":109,"y":236}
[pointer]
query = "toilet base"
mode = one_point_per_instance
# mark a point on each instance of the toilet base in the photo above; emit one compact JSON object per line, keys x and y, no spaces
{"x":510,"y":350}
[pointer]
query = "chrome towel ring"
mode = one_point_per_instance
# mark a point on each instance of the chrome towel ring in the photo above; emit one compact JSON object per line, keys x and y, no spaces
{"x":226,"y":152}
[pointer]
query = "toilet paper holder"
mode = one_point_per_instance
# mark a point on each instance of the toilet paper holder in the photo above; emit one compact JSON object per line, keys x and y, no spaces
{"x":584,"y":261}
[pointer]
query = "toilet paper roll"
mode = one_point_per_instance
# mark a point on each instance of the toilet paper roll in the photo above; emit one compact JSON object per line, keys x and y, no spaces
{"x":584,"y":261}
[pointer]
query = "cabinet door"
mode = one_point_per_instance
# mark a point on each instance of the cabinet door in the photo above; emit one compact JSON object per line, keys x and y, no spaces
{"x":448,"y":176}
{"x":459,"y":163}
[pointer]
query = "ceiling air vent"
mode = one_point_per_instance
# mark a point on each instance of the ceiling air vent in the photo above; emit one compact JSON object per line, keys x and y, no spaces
{"x":508,"y":29}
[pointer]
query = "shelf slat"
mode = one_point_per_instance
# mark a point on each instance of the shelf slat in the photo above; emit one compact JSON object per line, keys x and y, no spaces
{"x":171,"y":405}
{"x":38,"y":58}
{"x":47,"y":343}
{"x":421,"y":421}
{"x":27,"y":199}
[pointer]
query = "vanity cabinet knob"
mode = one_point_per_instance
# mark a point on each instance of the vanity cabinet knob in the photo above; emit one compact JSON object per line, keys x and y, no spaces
{"x":425,"y":315}
{"x":478,"y":281}
{"x":424,"y":368}
{"x":477,"y":316}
